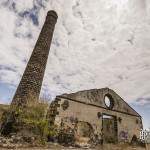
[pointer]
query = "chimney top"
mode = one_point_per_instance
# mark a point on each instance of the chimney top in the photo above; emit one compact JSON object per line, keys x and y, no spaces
{"x":52,"y":13}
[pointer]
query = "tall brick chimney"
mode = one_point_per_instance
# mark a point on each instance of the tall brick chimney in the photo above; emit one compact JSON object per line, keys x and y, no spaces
{"x":30,"y":84}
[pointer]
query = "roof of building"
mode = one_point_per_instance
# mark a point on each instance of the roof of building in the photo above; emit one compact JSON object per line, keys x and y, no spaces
{"x":96,"y":98}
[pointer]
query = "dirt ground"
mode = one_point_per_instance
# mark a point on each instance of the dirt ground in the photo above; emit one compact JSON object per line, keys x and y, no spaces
{"x":148,"y":147}
{"x":104,"y":147}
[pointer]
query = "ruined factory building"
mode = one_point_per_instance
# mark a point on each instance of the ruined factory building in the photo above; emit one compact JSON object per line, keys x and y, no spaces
{"x":101,"y":113}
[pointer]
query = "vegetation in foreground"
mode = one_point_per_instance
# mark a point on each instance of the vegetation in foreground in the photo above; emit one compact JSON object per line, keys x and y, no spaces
{"x":29,"y":122}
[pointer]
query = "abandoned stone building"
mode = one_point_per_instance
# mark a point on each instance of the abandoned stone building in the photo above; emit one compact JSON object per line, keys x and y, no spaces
{"x":97,"y":112}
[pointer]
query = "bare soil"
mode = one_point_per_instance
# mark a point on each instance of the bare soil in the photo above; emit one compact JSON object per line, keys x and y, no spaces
{"x":104,"y":147}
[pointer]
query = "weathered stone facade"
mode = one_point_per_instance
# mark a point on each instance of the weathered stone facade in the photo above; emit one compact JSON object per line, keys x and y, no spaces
{"x":115,"y":123}
{"x":30,"y":84}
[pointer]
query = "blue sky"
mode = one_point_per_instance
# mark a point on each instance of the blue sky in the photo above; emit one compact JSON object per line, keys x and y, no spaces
{"x":6,"y":93}
{"x":96,"y":44}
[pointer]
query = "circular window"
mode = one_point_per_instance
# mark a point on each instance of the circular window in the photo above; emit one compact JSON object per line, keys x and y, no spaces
{"x":109,"y":102}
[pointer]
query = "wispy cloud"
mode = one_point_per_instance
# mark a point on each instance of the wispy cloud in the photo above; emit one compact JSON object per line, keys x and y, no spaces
{"x":143,"y":101}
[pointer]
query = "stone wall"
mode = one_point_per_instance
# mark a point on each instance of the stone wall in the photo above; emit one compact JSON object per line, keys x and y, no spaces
{"x":96,"y":97}
{"x":72,"y":111}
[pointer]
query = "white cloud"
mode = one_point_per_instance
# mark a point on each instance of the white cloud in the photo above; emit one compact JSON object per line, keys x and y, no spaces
{"x":96,"y":44}
{"x":22,"y":5}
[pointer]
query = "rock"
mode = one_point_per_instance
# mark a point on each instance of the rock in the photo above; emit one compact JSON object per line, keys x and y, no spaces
{"x":17,"y":139}
{"x":28,"y":139}
{"x":8,"y":145}
{"x":15,"y":142}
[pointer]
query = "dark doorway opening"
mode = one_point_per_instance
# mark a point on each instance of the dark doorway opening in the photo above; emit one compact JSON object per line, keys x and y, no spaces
{"x":109,"y":129}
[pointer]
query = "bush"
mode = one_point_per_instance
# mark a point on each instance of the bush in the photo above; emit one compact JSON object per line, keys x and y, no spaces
{"x":29,"y":121}
{"x":33,"y":118}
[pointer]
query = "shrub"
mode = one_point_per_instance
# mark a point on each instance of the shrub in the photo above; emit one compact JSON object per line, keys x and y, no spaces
{"x":30,"y":119}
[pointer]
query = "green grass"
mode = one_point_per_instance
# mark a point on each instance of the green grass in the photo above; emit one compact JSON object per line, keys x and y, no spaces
{"x":3,"y":108}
